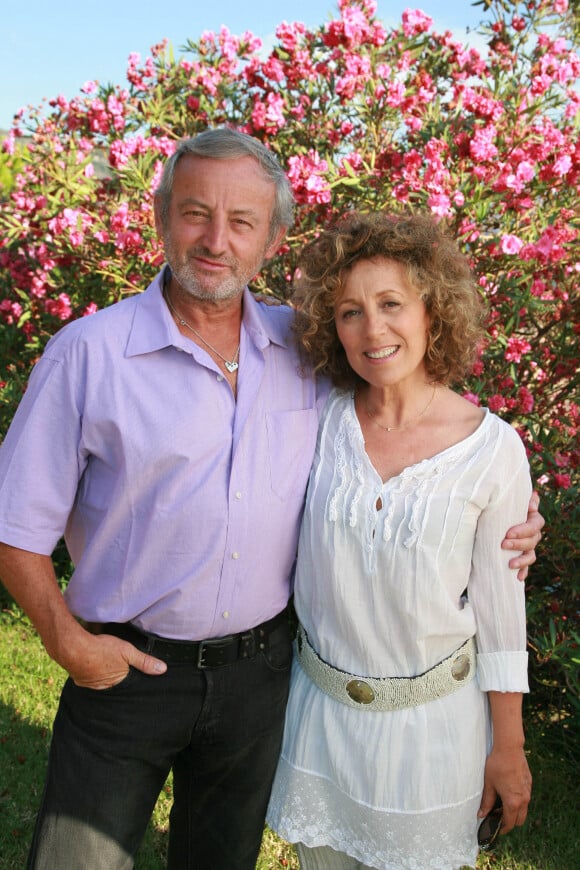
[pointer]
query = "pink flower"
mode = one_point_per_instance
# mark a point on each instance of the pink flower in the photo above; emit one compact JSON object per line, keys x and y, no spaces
{"x":482,"y":146}
{"x":525,"y":170}
{"x":396,"y":94}
{"x":229,"y":43}
{"x":564,"y":481}
{"x":120,"y":220}
{"x":538,"y":288}
{"x":511,"y":244}
{"x":275,"y":112}
{"x":269,"y":116}
{"x":273,"y":69}
{"x":440,"y":204}
{"x":116,"y":108}
{"x":97,"y":117}
{"x":526,"y":400}
{"x":10,"y":311}
{"x":471,"y":397}
{"x":8,"y":144}
{"x":496,"y":403}
{"x":129,"y":240}
{"x":251,"y":42}
{"x":59,"y":307}
{"x":563,"y":164}
{"x":515,"y":348}
{"x":306,"y":174}
{"x":290,"y":34}
{"x":415,"y":21}
{"x":73,"y":220}
{"x":355,"y":24}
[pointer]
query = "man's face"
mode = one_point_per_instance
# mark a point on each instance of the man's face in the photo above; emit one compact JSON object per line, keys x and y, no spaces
{"x":216,"y":235}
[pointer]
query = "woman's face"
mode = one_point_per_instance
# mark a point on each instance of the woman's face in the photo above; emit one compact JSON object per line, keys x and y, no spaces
{"x":382,"y":323}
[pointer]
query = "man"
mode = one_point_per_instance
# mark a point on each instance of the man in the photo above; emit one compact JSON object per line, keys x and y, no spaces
{"x":169,"y":437}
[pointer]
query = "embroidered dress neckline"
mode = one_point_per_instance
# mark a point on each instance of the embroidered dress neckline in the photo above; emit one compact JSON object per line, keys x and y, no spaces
{"x":427,"y":467}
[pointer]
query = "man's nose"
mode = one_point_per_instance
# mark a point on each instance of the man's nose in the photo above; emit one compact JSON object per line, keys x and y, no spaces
{"x":215,"y":235}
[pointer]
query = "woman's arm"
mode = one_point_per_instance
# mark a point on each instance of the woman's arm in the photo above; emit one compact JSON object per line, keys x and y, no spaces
{"x":498,"y":602}
{"x":506,"y":769}
{"x":525,"y":537}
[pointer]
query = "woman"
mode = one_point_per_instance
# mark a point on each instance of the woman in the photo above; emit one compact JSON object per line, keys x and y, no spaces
{"x":411,"y":490}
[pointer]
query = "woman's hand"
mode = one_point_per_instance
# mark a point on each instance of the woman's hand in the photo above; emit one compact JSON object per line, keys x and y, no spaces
{"x":506,"y":769}
{"x":507,"y":774}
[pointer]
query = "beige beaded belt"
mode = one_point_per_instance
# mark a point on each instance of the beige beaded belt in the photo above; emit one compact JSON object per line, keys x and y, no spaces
{"x":390,"y":693}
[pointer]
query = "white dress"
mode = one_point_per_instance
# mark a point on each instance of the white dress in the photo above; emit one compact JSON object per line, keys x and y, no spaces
{"x":380,"y":593}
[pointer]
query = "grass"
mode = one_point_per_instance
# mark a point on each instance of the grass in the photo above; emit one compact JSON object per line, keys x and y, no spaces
{"x":29,"y":692}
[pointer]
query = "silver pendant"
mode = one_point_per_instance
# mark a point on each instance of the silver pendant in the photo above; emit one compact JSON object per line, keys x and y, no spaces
{"x":231,"y":366}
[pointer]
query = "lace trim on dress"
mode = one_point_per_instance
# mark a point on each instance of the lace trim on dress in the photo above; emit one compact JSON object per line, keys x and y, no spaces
{"x":314,"y":811}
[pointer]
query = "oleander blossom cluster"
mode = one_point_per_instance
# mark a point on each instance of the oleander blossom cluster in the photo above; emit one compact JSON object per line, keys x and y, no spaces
{"x":483,"y":135}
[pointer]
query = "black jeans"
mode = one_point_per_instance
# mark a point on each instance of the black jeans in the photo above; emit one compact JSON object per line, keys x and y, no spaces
{"x":220,"y":731}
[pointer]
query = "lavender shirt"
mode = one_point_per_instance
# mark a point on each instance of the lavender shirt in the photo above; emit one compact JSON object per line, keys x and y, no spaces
{"x":180,"y":506}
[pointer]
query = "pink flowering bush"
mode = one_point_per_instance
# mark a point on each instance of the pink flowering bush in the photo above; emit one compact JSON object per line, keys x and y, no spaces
{"x":360,"y":116}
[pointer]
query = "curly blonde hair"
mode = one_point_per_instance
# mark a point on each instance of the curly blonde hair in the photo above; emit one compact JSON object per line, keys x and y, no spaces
{"x":435,"y":267}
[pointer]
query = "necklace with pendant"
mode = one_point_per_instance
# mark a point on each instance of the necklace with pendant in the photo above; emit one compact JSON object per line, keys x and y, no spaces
{"x":371,"y":414}
{"x":231,"y":365}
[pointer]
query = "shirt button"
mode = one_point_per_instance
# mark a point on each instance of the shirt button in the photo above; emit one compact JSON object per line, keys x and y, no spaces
{"x":238,"y":495}
{"x":219,"y":378}
{"x":226,"y":614}
{"x":235,"y":555}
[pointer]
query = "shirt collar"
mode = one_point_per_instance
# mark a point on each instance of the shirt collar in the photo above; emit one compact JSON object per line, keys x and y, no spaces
{"x":154,"y":328}
{"x":265,"y":324}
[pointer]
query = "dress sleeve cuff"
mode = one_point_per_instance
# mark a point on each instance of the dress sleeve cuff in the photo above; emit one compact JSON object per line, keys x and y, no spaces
{"x":503,"y":671}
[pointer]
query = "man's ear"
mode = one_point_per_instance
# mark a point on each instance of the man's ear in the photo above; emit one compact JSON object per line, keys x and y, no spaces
{"x":157,"y":216}
{"x":275,"y":244}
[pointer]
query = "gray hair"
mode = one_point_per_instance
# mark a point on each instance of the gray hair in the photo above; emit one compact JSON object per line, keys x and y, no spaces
{"x":224,"y":143}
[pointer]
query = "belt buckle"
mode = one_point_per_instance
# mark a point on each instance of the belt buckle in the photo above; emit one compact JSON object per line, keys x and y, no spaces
{"x":215,"y":646}
{"x":360,"y":692}
{"x":460,"y":667}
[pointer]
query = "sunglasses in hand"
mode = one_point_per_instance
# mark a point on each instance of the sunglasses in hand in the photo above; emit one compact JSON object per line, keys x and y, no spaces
{"x":490,"y":827}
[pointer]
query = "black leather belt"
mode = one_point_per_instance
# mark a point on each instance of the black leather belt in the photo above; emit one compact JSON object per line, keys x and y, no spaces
{"x":213,"y":653}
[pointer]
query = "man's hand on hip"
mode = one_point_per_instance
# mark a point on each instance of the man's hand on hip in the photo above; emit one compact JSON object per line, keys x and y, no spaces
{"x":106,"y":661}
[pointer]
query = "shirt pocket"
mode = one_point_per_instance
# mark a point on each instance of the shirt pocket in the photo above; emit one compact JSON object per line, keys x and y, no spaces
{"x":291,"y":443}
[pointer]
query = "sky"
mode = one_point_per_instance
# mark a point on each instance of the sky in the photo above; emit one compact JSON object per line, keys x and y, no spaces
{"x":48,"y":49}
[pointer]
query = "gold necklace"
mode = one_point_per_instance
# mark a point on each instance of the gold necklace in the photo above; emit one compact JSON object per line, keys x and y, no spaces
{"x":372,"y":417}
{"x":232,"y":365}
